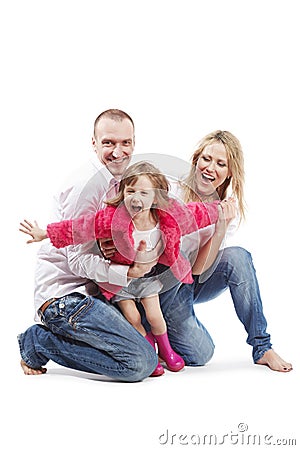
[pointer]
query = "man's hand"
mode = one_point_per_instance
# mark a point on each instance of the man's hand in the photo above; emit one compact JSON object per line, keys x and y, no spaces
{"x":144,"y":260}
{"x":107,"y":247}
{"x":37,"y":233}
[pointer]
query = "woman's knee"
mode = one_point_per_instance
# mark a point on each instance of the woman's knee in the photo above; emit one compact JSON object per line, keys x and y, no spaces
{"x":236,"y":255}
{"x":198,"y":355}
{"x":199,"y":351}
{"x":192,"y":341}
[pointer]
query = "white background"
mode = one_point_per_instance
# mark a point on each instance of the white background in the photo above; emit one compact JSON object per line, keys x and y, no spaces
{"x":181,"y":70}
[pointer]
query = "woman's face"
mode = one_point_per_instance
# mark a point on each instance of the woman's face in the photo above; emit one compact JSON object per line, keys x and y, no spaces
{"x":211,"y":168}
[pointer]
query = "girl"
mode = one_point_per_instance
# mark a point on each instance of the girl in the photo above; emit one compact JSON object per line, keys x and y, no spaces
{"x":142,"y":211}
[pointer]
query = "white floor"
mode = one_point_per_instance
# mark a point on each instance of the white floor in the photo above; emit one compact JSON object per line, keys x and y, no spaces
{"x":68,"y":409}
{"x":230,"y":396}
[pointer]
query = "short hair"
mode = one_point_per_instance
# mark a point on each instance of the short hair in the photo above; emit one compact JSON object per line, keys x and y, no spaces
{"x":114,"y":114}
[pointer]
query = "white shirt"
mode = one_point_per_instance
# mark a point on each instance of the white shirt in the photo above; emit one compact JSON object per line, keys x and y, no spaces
{"x":151,"y":237}
{"x":60,"y":272}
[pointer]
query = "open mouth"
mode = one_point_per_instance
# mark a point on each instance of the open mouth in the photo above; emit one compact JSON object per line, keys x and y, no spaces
{"x":207,"y":178}
{"x":136,"y":209}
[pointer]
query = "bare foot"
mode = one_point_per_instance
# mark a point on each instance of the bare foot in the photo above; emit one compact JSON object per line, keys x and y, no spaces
{"x":29,"y":371}
{"x":271,"y":359}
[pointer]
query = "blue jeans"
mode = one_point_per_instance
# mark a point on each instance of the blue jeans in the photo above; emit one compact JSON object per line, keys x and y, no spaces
{"x":88,"y":334}
{"x":234,"y":270}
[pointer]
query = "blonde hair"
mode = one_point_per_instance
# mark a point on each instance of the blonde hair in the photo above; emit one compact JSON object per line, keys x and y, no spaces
{"x":235,"y":159}
{"x":158,"y":180}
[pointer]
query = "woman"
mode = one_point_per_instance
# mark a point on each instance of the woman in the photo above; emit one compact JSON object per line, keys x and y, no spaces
{"x":217,"y":165}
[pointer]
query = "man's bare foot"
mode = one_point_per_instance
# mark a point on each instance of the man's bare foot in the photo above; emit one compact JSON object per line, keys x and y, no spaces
{"x":271,"y":359}
{"x":29,"y":371}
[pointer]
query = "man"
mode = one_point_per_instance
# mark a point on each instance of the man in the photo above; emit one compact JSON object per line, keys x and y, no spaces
{"x":81,"y":331}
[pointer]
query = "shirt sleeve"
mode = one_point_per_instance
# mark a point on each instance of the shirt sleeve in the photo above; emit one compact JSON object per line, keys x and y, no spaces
{"x":86,"y":260}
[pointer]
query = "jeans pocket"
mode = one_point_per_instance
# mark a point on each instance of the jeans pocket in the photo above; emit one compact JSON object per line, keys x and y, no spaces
{"x":62,"y":315}
{"x":79,"y":312}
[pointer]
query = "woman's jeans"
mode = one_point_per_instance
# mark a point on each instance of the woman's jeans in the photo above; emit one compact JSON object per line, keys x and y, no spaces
{"x":88,"y":334}
{"x":234,"y":270}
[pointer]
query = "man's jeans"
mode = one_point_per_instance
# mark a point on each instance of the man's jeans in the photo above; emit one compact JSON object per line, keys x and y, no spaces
{"x":91,"y":335}
{"x":234,"y":270}
{"x":88,"y":334}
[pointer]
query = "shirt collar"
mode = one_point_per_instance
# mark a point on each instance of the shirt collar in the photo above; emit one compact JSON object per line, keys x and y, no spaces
{"x":101,"y":167}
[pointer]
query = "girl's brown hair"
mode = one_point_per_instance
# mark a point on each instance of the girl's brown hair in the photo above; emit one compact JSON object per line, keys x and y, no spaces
{"x":158,"y":180}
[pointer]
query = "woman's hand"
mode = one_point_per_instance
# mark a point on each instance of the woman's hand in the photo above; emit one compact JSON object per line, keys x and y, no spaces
{"x":208,"y":253}
{"x":229,"y":207}
{"x":227,"y":212}
{"x":37,"y":233}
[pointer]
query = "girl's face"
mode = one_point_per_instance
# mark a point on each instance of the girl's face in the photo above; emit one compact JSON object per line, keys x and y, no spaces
{"x":140,"y":196}
{"x":211,"y":168}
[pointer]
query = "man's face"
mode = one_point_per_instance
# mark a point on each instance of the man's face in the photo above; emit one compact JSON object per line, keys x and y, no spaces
{"x":114,"y":143}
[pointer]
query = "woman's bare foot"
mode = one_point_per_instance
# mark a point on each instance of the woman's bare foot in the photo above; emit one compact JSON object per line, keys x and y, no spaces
{"x":271,"y":359}
{"x":29,"y":371}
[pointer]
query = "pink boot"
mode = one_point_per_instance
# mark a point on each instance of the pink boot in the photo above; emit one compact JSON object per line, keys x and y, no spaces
{"x":172,"y":359}
{"x":159,"y":370}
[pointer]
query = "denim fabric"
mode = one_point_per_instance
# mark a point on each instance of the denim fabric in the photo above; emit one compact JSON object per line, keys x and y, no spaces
{"x":234,"y":270}
{"x":88,"y":334}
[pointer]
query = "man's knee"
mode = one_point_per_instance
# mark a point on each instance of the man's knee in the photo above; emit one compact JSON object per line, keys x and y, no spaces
{"x":142,"y":365}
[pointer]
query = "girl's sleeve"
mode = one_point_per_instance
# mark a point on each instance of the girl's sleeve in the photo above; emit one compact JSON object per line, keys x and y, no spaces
{"x":77,"y":231}
{"x":204,"y":214}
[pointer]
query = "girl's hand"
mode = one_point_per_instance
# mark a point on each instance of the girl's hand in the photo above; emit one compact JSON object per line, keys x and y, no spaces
{"x":37,"y":233}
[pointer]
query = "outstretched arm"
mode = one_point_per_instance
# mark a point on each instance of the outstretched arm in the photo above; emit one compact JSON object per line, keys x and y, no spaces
{"x":66,"y":232}
{"x":37,"y":233}
{"x":202,"y":215}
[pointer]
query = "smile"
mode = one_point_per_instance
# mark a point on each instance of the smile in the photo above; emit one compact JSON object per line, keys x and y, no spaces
{"x":118,"y":161}
{"x":207,"y":178}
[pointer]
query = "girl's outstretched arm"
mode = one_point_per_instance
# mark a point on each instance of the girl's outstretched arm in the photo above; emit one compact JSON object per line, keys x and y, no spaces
{"x":73,"y":231}
{"x":37,"y":233}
